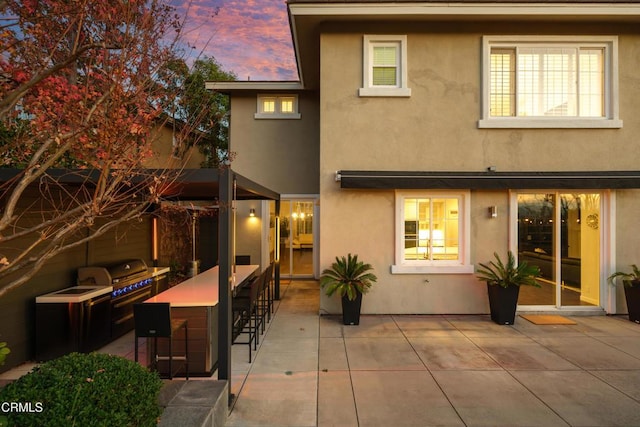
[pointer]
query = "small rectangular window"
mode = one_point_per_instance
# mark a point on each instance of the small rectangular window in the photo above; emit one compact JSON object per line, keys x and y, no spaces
{"x":384,"y":67}
{"x":277,"y":107}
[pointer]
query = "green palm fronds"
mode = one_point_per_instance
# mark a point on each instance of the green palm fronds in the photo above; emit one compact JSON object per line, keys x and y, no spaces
{"x":627,"y":278}
{"x":509,"y":274}
{"x":347,"y":276}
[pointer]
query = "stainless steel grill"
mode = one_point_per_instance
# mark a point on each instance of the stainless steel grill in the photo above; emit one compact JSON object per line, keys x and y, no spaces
{"x":132,"y":283}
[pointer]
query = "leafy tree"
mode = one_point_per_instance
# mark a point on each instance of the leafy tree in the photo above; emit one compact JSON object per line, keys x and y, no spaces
{"x":82,"y":85}
{"x":197,"y":105}
{"x":213,"y":120}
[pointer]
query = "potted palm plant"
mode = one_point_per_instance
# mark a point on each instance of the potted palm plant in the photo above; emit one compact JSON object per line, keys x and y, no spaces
{"x":503,"y":285}
{"x":349,"y":278}
{"x":631,"y":282}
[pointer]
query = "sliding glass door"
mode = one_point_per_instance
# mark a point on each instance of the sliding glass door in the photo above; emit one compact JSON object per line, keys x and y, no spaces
{"x":560,"y":233}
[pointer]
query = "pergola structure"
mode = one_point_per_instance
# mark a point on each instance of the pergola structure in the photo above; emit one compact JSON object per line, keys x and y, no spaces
{"x":225,"y":187}
{"x":232,"y":187}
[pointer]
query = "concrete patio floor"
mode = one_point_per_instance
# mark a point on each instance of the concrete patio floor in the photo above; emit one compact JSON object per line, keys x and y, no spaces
{"x":435,"y":371}
{"x":449,"y":370}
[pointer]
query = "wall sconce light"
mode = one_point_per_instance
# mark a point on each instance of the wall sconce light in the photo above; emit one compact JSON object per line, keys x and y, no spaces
{"x":493,"y":211}
{"x":252,"y":212}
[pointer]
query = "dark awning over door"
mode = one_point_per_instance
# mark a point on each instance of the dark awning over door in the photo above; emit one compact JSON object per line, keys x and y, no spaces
{"x":487,"y":180}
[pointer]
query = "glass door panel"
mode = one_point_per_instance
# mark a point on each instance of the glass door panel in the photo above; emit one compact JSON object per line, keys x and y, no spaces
{"x":559,"y":232}
{"x":536,"y":246}
{"x":296,"y":238}
{"x":285,"y":243}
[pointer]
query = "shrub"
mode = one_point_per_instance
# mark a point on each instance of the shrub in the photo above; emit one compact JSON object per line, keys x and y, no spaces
{"x":85,"y":390}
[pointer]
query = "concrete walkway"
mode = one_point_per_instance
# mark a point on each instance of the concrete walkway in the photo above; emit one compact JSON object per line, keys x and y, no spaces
{"x":435,"y":371}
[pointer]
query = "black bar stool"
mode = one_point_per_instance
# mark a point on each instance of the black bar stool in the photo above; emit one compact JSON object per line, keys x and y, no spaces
{"x":247,"y":320}
{"x":153,"y":320}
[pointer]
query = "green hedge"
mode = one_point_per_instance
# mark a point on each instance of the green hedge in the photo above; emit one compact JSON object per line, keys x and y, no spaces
{"x":84,"y":390}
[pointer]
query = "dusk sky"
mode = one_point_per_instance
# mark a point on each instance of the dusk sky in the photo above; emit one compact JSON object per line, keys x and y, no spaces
{"x":250,"y":38}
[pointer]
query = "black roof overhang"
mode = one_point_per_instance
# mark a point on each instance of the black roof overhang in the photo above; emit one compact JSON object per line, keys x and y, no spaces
{"x":487,"y":180}
{"x":186,"y":184}
{"x":202,"y":184}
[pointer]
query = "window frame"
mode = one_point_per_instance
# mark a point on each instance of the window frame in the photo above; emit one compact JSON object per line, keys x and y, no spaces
{"x":460,"y":266}
{"x":611,"y":119}
{"x":368,"y":88}
{"x":277,"y":114}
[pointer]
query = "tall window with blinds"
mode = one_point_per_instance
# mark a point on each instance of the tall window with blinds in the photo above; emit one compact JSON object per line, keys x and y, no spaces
{"x":550,"y":81}
{"x":547,"y":81}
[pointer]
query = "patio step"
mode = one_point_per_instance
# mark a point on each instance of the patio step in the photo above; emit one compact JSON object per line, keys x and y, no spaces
{"x":194,"y":403}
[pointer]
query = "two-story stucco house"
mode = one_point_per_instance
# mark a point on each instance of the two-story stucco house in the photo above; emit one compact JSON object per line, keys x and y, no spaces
{"x":426,"y":135}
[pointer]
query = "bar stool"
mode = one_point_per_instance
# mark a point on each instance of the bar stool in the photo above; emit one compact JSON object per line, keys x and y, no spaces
{"x":245,"y":309}
{"x":153,"y":320}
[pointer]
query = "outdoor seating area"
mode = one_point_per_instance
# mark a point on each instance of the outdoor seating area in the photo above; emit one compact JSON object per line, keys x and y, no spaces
{"x":252,"y":306}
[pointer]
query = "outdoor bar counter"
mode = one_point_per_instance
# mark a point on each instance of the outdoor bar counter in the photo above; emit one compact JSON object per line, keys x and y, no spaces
{"x":196,"y":299}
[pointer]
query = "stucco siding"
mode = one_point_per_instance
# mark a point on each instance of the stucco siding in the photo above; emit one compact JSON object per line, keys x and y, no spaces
{"x":436,"y":129}
{"x":280,"y":154}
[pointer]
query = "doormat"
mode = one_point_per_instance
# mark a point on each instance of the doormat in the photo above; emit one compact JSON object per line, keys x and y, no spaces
{"x":547,"y":319}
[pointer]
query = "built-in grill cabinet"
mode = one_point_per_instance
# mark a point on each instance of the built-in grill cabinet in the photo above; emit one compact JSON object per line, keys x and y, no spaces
{"x":132,"y":283}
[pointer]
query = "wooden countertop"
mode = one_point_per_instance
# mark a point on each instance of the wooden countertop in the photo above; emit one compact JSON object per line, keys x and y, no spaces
{"x":202,"y":289}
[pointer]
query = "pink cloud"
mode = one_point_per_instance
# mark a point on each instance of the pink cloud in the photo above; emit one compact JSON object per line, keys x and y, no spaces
{"x":248,"y":37}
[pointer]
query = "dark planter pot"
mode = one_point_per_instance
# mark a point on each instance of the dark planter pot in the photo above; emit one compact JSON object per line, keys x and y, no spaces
{"x":351,"y":310}
{"x":632,"y":294}
{"x":502,"y":303}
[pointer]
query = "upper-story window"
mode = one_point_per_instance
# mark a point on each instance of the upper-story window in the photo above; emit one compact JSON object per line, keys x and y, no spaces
{"x":384,"y":71}
{"x":277,"y":107}
{"x":547,"y":82}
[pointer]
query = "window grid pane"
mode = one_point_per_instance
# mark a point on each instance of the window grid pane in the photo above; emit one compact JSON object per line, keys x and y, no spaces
{"x":591,"y":82}
{"x":268,"y":105}
{"x":431,"y":229}
{"x":286,"y":105}
{"x":502,"y":80}
{"x":551,"y":81}
{"x":384,"y":76}
{"x":384,"y":55}
{"x":385,"y":65}
{"x":547,"y":82}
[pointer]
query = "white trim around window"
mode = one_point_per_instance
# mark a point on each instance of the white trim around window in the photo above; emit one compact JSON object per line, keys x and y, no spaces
{"x":440,"y":224}
{"x":277,"y":106}
{"x":519,"y":89}
{"x":384,"y":66}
